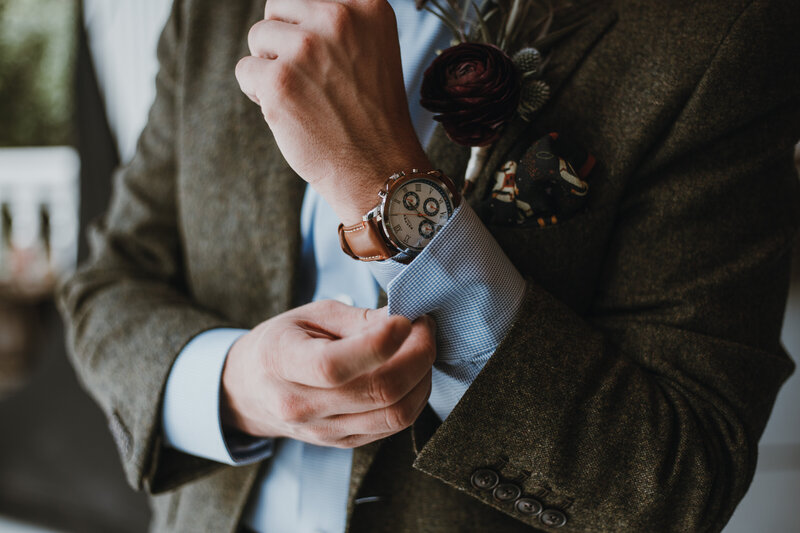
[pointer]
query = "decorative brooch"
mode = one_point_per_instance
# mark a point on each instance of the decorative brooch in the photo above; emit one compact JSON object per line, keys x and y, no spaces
{"x":542,"y":186}
{"x":481,"y":83}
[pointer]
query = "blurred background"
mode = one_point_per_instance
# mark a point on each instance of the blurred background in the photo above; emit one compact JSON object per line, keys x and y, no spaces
{"x":76,"y":82}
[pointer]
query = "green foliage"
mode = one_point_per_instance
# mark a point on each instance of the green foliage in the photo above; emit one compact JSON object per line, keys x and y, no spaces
{"x":37,"y":56}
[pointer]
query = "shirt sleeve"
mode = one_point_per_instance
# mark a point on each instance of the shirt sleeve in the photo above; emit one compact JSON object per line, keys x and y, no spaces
{"x":191,"y":416}
{"x":465,"y":281}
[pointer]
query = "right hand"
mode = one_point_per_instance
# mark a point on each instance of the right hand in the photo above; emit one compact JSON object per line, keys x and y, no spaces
{"x":329,"y":374}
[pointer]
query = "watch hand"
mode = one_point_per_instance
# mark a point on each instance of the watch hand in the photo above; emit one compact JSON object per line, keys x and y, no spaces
{"x":426,"y":218}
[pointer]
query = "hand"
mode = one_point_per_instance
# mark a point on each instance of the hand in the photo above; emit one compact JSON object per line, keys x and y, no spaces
{"x":328,"y":78}
{"x":329,"y":374}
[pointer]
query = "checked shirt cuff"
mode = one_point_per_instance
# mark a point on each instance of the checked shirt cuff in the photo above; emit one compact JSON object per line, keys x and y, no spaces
{"x":465,"y":281}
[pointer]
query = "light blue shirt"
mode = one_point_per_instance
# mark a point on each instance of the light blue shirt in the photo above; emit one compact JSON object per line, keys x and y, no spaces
{"x":462,"y":278}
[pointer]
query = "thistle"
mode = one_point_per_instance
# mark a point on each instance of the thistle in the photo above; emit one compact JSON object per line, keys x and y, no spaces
{"x":528,"y":61}
{"x":535,"y":94}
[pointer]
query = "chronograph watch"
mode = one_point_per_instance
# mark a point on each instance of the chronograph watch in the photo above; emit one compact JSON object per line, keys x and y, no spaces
{"x":413,"y":208}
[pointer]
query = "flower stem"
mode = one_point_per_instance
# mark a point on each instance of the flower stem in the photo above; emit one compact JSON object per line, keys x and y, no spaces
{"x":477,"y":160}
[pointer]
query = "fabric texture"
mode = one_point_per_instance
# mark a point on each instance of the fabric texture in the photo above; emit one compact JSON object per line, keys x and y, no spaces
{"x":304,"y":487}
{"x":643,"y":363}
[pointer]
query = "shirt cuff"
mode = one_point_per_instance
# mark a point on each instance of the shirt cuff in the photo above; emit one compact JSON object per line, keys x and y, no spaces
{"x":190,"y":416}
{"x":465,"y":281}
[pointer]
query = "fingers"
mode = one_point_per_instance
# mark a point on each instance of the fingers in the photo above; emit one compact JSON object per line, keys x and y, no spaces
{"x":274,"y":47}
{"x":253,"y":74}
{"x":291,"y":11}
{"x":385,"y":386}
{"x":344,"y":430}
{"x":341,"y":319}
{"x":320,"y":15}
{"x":269,"y":39}
{"x":393,"y":380}
{"x":326,"y":362}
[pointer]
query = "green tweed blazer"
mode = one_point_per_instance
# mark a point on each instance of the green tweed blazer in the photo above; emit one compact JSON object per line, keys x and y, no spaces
{"x":630,"y":392}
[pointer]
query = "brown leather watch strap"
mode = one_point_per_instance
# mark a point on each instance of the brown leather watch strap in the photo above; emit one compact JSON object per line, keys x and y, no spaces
{"x":363,"y":241}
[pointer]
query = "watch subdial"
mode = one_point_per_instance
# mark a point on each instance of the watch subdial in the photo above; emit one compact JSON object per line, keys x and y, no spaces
{"x":411,"y":201}
{"x":426,"y":229}
{"x":431,"y":207}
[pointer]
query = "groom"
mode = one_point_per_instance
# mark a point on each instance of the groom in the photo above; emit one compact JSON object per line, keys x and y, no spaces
{"x":594,"y":375}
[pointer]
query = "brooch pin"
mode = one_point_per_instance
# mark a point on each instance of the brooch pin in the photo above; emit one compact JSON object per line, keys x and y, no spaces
{"x":543,"y":187}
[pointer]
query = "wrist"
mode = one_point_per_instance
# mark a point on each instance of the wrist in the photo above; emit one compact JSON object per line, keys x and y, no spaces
{"x":356,"y":193}
{"x":233,"y":387}
{"x":414,"y":205}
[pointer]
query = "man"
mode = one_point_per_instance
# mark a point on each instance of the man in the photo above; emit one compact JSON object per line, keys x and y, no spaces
{"x":624,"y":389}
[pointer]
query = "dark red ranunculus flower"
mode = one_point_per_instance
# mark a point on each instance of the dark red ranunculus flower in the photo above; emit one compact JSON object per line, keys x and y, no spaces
{"x":475,"y":89}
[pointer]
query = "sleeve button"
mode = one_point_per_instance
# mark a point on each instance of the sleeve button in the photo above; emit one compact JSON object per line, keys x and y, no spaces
{"x":528,"y":506}
{"x":484,"y":479}
{"x":506,"y":492}
{"x":553,"y":518}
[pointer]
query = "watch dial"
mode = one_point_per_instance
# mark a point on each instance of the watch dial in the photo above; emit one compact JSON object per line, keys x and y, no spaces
{"x":411,"y":200}
{"x":416,"y":211}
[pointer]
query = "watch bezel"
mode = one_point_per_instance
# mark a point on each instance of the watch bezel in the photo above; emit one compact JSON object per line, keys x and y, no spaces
{"x":397,"y":181}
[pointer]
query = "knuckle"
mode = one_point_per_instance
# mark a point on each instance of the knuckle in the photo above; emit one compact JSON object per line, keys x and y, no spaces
{"x":327,"y":306}
{"x":351,"y":441}
{"x":400,"y":416}
{"x":253,"y":33}
{"x":339,"y":16}
{"x":305,"y":44}
{"x":380,"y":392}
{"x":323,"y":435}
{"x":242,"y":68}
{"x":329,"y":372}
{"x":375,"y":346}
{"x":293,"y":409}
{"x":282,"y":79}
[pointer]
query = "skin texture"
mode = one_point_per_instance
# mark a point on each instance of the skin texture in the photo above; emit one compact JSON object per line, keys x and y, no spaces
{"x":326,"y":373}
{"x":341,"y":59}
{"x":329,"y":374}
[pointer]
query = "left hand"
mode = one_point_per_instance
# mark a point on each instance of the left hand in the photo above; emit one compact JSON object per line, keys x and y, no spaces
{"x":328,"y":77}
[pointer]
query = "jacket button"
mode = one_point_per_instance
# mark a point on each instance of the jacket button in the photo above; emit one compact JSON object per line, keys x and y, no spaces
{"x":484,"y":479}
{"x":553,"y":518}
{"x":528,"y":506}
{"x":506,"y":492}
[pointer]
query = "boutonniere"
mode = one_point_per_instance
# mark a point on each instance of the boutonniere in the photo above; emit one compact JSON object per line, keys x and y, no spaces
{"x":492,"y":73}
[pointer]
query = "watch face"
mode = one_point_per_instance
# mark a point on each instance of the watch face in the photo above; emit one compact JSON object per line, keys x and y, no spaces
{"x":415,"y":211}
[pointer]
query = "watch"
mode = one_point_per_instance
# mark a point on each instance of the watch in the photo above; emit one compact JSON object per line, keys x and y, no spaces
{"x":413,"y":208}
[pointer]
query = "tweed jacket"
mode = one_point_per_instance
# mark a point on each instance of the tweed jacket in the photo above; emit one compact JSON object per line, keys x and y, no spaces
{"x":631,"y":390}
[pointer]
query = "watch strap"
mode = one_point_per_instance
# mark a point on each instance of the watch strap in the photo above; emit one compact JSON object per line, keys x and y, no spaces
{"x":364,"y":241}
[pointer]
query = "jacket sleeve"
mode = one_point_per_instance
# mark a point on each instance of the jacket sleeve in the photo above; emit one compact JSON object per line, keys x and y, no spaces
{"x":127,"y":311}
{"x":644,"y":413}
